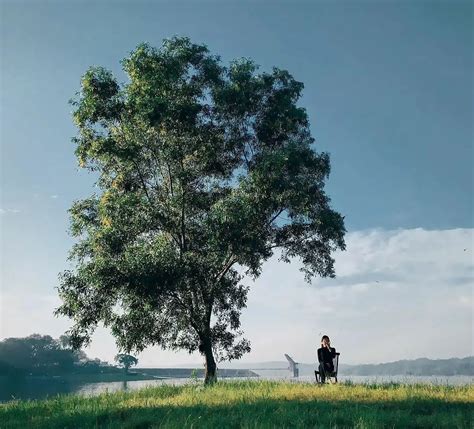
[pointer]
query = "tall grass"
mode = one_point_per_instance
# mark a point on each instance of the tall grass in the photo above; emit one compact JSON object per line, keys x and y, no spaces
{"x":252,"y":404}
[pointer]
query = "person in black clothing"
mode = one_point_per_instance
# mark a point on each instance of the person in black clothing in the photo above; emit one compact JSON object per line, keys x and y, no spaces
{"x":325,"y":356}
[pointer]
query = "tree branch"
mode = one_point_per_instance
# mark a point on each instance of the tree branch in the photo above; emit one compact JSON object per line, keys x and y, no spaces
{"x":142,"y":180}
{"x":274,"y":217}
{"x":297,"y":241}
{"x":170,"y":179}
{"x":231,"y":261}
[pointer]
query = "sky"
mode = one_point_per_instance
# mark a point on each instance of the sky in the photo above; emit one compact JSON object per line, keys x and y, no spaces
{"x":388,"y":90}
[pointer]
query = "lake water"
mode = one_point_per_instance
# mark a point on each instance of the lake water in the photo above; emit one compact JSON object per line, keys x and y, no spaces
{"x":42,"y":388}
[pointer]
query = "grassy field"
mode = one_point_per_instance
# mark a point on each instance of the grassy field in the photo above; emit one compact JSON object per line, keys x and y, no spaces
{"x":253,"y":404}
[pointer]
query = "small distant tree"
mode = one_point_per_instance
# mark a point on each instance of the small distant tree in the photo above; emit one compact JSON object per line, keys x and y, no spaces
{"x":126,"y":361}
{"x":202,"y":169}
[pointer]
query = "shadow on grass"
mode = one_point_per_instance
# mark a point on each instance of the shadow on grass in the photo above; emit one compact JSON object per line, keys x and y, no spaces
{"x":259,"y":414}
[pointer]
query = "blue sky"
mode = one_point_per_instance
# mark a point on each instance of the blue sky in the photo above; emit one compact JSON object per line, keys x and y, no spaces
{"x":388,"y":89}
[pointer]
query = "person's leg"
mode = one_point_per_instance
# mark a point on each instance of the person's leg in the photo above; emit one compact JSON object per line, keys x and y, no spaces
{"x":328,"y":370}
{"x":322,"y":373}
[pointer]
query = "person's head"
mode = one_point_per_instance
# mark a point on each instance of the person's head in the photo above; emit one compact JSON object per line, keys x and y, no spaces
{"x":325,"y":341}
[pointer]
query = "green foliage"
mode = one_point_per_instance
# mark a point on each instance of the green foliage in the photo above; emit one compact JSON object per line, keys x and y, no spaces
{"x":126,"y":361}
{"x":202,"y":169}
{"x":254,"y":404}
{"x":38,"y":354}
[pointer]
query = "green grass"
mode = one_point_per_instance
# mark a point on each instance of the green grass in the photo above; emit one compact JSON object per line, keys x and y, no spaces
{"x":253,"y":404}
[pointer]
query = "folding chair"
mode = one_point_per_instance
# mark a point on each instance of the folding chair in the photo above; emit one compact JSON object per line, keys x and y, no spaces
{"x":329,"y":375}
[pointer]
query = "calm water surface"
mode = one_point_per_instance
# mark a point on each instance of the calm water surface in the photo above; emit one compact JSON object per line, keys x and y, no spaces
{"x":44,"y":388}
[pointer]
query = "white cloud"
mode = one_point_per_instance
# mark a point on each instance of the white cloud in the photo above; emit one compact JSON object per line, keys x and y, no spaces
{"x":399,"y":295}
{"x":54,"y":196}
{"x":6,"y":211}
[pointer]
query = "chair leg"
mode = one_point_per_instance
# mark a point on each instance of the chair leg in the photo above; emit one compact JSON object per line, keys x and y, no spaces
{"x":316,"y":374}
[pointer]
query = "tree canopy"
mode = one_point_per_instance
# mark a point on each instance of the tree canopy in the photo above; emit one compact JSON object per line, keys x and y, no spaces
{"x":38,"y":354}
{"x":126,"y":361}
{"x":204,"y":171}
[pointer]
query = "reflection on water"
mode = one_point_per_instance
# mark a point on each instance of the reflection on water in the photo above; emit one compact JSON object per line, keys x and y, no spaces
{"x":40,"y":388}
{"x":11,"y":389}
{"x":91,"y":389}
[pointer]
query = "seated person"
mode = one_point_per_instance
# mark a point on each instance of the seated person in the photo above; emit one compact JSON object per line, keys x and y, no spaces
{"x":326,"y":354}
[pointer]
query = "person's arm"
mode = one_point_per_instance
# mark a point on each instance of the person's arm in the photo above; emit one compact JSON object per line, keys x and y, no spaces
{"x":333,"y":352}
{"x":320,"y":355}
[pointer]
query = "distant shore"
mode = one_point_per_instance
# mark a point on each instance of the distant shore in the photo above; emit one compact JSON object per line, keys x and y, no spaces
{"x":86,"y":378}
{"x":136,"y":374}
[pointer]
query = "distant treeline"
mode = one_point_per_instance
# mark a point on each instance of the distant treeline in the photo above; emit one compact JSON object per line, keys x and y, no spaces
{"x":43,"y":355}
{"x":422,"y":366}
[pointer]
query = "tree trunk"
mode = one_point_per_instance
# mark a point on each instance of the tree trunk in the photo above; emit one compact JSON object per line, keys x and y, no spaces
{"x":211,"y":367}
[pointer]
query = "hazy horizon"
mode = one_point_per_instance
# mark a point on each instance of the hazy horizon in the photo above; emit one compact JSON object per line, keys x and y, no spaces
{"x":246,"y":365}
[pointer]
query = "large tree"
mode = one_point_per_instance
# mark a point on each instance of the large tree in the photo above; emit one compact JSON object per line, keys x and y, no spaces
{"x":203,"y":171}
